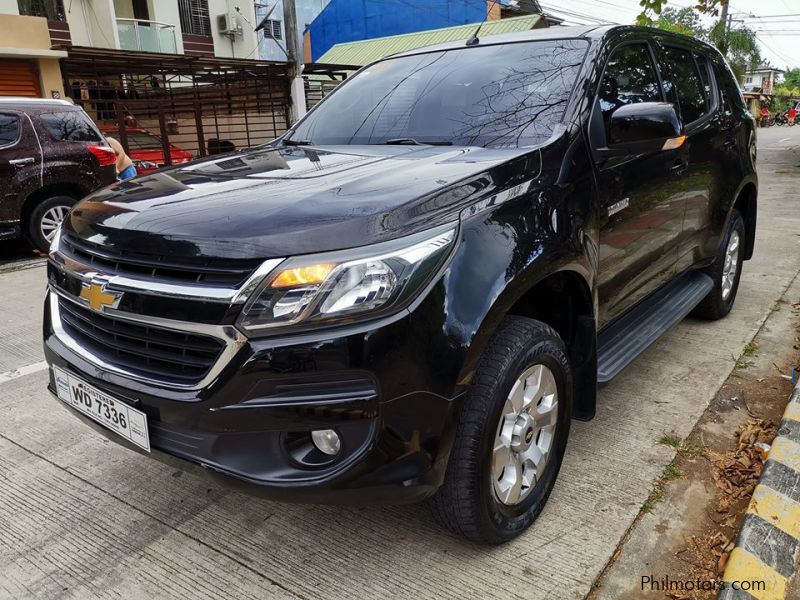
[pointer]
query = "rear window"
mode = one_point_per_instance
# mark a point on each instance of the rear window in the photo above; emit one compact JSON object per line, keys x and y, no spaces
{"x":70,"y":126}
{"x":143,"y":141}
{"x":682,"y":77}
{"x":9,"y":129}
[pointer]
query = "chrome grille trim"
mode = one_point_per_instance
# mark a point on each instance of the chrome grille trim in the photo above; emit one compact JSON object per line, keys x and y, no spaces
{"x":124,"y":283}
{"x":231,"y":338}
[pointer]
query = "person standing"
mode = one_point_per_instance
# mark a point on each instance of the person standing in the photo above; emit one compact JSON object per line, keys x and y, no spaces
{"x":125,"y":168}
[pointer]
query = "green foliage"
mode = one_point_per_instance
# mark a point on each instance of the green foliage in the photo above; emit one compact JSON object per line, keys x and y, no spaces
{"x":684,"y":20}
{"x":791,"y":79}
{"x":656,"y":7}
{"x":738,"y":44}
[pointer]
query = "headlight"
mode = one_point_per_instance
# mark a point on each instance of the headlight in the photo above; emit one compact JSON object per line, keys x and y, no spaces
{"x":341,"y":286}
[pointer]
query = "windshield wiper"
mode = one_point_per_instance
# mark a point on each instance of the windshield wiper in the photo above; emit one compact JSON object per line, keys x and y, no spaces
{"x":297,"y":142}
{"x":407,"y":141}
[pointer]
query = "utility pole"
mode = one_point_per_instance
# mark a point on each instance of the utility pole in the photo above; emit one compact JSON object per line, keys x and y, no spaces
{"x":295,"y":61}
{"x":723,"y":17}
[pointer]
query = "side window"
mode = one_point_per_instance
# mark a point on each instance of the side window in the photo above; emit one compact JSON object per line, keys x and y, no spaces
{"x":704,"y":68}
{"x":9,"y":129}
{"x":71,"y":126}
{"x":731,"y":94}
{"x":681,"y":78}
{"x":630,"y":77}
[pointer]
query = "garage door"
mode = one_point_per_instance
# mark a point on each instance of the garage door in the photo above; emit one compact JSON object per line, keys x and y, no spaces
{"x":19,"y":78}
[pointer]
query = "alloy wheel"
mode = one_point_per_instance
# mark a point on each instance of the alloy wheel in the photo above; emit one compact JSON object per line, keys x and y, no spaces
{"x":51,"y":219}
{"x":525,"y":435}
{"x":731,"y":265}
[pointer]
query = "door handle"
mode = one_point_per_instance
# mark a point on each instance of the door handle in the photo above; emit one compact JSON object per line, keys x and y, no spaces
{"x":21,"y":162}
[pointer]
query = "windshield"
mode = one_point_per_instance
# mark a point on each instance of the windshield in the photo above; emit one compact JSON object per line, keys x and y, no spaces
{"x":505,"y":95}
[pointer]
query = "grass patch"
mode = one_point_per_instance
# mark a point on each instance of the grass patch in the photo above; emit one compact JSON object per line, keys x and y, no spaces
{"x":670,"y":472}
{"x":742,"y":362}
{"x":682,"y":446}
{"x":750,"y":348}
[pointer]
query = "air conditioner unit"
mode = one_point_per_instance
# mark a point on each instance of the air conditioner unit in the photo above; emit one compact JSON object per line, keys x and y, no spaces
{"x":229,"y":25}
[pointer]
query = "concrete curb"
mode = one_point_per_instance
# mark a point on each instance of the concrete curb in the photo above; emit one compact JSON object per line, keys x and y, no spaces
{"x":768,"y":545}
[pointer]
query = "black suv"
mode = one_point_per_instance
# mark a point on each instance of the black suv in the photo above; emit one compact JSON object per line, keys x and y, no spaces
{"x":51,"y":156}
{"x":412,"y":292}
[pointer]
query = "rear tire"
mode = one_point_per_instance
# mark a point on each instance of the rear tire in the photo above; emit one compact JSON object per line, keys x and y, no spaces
{"x":726,"y":272}
{"x":45,"y":218}
{"x":496,"y":446}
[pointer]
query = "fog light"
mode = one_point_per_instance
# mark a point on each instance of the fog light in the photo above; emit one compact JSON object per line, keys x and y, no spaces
{"x":327,"y":441}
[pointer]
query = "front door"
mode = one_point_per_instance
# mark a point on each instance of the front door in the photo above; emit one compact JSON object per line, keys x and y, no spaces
{"x":641,"y":214}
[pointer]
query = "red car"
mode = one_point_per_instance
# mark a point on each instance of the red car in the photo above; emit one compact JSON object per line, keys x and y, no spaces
{"x":145,"y":149}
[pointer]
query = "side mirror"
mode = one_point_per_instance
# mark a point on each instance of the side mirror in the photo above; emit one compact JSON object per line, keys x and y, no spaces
{"x":644,"y":127}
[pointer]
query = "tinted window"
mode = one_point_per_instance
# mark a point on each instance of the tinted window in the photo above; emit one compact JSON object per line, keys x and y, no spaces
{"x":73,"y":126}
{"x":143,"y":141}
{"x":731,"y":94}
{"x":630,"y":77}
{"x":9,"y":129}
{"x":682,"y":78}
{"x":503,"y":95}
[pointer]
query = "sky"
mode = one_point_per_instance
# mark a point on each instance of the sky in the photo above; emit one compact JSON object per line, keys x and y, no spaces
{"x":777,"y":22}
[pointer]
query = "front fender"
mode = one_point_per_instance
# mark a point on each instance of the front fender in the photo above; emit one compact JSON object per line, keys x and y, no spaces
{"x":505,"y":253}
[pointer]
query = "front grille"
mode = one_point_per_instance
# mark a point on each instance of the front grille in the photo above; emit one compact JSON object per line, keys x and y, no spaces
{"x":149,"y":351}
{"x":211,"y":272}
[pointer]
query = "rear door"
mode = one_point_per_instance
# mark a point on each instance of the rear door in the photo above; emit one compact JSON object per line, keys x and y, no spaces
{"x":66,"y":133}
{"x":641,"y":215}
{"x":690,"y":85}
{"x":19,"y":161}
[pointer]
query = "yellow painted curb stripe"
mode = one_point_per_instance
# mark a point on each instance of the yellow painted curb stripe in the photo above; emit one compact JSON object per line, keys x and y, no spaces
{"x":786,"y":452}
{"x":776,"y":509}
{"x":792,"y":411}
{"x":744,"y":567}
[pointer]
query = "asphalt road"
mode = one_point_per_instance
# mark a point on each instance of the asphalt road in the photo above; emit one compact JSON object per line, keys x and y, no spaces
{"x":83,"y":518}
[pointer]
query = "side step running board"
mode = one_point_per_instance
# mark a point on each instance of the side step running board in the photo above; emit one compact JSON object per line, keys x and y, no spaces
{"x":622,"y":341}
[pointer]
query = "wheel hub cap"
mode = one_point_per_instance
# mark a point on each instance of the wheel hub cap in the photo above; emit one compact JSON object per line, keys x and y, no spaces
{"x":51,"y":220}
{"x":525,"y":435}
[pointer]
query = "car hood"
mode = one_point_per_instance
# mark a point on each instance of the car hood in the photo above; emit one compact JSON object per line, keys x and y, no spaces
{"x":282,"y":201}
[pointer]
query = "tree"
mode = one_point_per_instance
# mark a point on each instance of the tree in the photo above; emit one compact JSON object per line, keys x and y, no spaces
{"x":685,"y":21}
{"x":737,"y":44}
{"x":710,"y":7}
{"x":791,"y":79}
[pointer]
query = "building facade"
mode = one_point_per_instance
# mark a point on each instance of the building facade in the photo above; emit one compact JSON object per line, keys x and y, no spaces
{"x":761,"y":80}
{"x":354,"y":20}
{"x":33,"y":34}
{"x":272,"y":35}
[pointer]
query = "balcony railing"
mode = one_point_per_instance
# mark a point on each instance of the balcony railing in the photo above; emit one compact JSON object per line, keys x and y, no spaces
{"x":146,"y":36}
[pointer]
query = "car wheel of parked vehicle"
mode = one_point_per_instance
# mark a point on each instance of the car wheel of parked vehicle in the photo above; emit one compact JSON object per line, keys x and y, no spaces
{"x":511,"y":435}
{"x":45,"y":219}
{"x":726,"y":272}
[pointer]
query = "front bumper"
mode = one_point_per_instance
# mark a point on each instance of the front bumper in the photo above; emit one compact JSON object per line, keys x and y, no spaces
{"x":245,"y":426}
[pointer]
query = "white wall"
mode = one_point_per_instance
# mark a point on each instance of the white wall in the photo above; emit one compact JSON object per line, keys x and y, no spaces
{"x":92,"y":23}
{"x":243,"y":46}
{"x":8,"y":7}
{"x":167,"y":12}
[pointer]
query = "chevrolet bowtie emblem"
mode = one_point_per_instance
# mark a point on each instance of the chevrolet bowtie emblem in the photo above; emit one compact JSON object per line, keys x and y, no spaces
{"x":97,"y":297}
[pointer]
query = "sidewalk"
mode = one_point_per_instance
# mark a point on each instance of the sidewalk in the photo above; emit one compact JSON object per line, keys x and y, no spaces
{"x":768,"y":547}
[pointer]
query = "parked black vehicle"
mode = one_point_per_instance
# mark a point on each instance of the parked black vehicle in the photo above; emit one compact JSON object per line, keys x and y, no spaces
{"x":413,"y":292}
{"x":51,"y":156}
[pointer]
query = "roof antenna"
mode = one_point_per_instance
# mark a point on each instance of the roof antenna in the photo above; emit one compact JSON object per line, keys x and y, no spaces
{"x":473,"y":39}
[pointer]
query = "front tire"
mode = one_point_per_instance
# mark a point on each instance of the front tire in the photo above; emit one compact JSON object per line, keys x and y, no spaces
{"x":511,"y":435}
{"x":726,"y":272}
{"x":45,"y":219}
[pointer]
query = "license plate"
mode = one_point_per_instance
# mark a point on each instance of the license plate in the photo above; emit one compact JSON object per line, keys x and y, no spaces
{"x":99,"y":406}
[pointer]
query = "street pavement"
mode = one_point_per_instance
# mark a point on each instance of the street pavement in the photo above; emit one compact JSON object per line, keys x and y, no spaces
{"x":83,"y":518}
